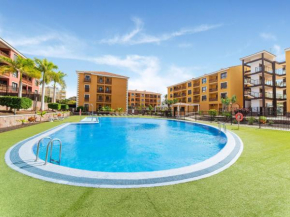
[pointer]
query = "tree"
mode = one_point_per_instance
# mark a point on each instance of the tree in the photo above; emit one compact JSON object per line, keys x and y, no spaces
{"x":169,"y":102}
{"x":57,"y":78}
{"x":45,"y":67}
{"x":20,"y":66}
{"x":119,"y":110}
{"x":228,"y":101}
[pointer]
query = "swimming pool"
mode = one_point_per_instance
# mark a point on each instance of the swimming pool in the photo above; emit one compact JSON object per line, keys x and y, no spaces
{"x":135,"y":145}
{"x":128,"y":152}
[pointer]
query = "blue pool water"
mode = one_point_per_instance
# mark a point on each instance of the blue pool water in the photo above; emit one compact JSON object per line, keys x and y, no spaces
{"x":135,"y":145}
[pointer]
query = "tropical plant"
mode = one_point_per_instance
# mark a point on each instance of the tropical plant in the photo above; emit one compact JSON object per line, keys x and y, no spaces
{"x":251,"y":120}
{"x":270,"y":123}
{"x":212,"y":112}
{"x":227,"y":101}
{"x":45,"y":67}
{"x":169,"y":102}
{"x":262,"y":119}
{"x":21,"y":66}
{"x":80,"y":108}
{"x":56,"y":78}
{"x":23,"y":121}
{"x":119,"y":110}
{"x":41,"y":113}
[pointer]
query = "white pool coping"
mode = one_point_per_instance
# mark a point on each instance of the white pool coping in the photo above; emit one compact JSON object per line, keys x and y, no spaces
{"x":26,"y":154}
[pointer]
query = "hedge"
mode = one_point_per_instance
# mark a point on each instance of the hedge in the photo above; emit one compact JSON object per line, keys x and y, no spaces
{"x":80,"y":107}
{"x":64,"y":107}
{"x":54,"y":106}
{"x":15,"y":102}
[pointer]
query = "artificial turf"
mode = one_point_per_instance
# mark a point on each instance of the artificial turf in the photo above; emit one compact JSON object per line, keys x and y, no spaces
{"x":258,"y":184}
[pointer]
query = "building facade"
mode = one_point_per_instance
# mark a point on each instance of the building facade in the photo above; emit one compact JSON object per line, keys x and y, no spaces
{"x":9,"y":83}
{"x":60,"y":94}
{"x":100,"y":89}
{"x":265,"y":83}
{"x":144,"y":98}
{"x":205,"y":92}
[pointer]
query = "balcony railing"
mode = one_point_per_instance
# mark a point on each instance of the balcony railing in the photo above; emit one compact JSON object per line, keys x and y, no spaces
{"x":108,"y":91}
{"x":100,"y":81}
{"x":196,"y":92}
{"x":213,"y":80}
{"x":100,"y":91}
{"x":212,"y":89}
{"x":280,"y":72}
{"x":87,"y":99}
{"x":213,"y":99}
{"x":196,"y":84}
{"x":87,"y":89}
{"x":107,"y":100}
{"x":87,"y":79}
{"x":280,"y":83}
{"x":196,"y":100}
{"x":108,"y":82}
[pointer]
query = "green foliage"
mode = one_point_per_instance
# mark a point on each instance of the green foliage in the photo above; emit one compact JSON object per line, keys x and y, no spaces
{"x":150,"y":107}
{"x":54,"y":106}
{"x":227,"y":101}
{"x":251,"y":120}
{"x":64,"y":107}
{"x":212,"y":112}
{"x":235,"y":121}
{"x":23,"y":121}
{"x":41,"y":113}
{"x":14,"y":102}
{"x":80,"y":107}
{"x":270,"y":123}
{"x":200,"y":112}
{"x":262,"y":119}
{"x":47,"y":99}
{"x":119,"y":110}
{"x":107,"y":109}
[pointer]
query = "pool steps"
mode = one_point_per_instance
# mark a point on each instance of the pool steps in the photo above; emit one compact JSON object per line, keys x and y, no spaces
{"x":50,"y":144}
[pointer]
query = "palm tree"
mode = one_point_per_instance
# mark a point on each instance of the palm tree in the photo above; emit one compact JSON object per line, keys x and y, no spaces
{"x":20,"y":66}
{"x":228,"y":101}
{"x":45,"y":67}
{"x":57,"y":78}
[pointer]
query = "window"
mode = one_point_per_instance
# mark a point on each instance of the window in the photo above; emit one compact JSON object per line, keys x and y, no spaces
{"x":36,"y":91}
{"x":203,"y":98}
{"x":223,"y":95}
{"x":142,"y":95}
{"x":86,"y":107}
{"x":170,"y":95}
{"x":87,"y":88}
{"x":189,"y":84}
{"x":170,"y":89}
{"x":14,"y":86}
{"x":132,"y":94}
{"x":36,"y":82}
{"x":15,"y":57}
{"x":203,"y":81}
{"x":87,"y":77}
{"x":100,"y":88}
{"x":223,"y":75}
{"x":224,"y":85}
{"x":15,"y":74}
{"x":189,"y":99}
{"x":87,"y":97}
{"x":189,"y":92}
{"x":203,"y":89}
{"x":132,"y":99}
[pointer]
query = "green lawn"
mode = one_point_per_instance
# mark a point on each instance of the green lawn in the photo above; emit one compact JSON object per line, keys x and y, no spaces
{"x":258,"y":184}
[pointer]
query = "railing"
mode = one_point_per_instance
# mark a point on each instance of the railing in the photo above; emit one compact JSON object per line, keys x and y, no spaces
{"x":87,"y":79}
{"x":179,"y":88}
{"x":100,"y":100}
{"x":108,"y":100}
{"x":196,"y":100}
{"x":280,"y":72}
{"x":280,"y":83}
{"x":196,"y":92}
{"x":100,"y":81}
{"x":87,"y":99}
{"x":108,"y":91}
{"x":213,"y":89}
{"x":213,"y":80}
{"x":100,"y":91}
{"x":196,"y":84}
{"x":213,"y":99}
{"x":281,"y":96}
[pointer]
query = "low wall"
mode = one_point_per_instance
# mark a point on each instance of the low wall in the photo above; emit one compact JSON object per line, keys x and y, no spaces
{"x":14,"y":120}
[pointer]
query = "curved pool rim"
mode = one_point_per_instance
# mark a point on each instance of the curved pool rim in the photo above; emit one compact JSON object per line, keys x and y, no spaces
{"x":20,"y":157}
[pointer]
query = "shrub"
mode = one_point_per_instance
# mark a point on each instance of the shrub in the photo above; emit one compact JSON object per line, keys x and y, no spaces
{"x":14,"y":102}
{"x":262,"y":119}
{"x":23,"y":121}
{"x":235,"y":121}
{"x":212,"y":112}
{"x":54,"y":106}
{"x":200,"y":112}
{"x":64,"y":107}
{"x":32,"y":119}
{"x":80,"y":107}
{"x":270,"y":123}
{"x":251,"y":120}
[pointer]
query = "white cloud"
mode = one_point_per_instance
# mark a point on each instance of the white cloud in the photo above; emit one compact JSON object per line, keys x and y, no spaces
{"x":137,"y":35}
{"x":185,"y":45}
{"x":279,"y":52}
{"x":268,"y":36}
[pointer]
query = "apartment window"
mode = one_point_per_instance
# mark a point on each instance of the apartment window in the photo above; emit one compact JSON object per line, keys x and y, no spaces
{"x":87,"y":77}
{"x":14,"y":86}
{"x":86,"y":107}
{"x":189,"y":99}
{"x":203,"y":81}
{"x":100,"y":88}
{"x":132,"y":99}
{"x":203,"y":98}
{"x":15,"y":74}
{"x":170,"y":89}
{"x":170,"y":95}
{"x":142,"y":100}
{"x":224,"y":85}
{"x":36,"y":82}
{"x":224,"y":75}
{"x":189,"y":92}
{"x":142,"y":95}
{"x":101,"y":80}
{"x":223,"y":95}
{"x":189,"y":84}
{"x":87,"y":88}
{"x":203,"y":89}
{"x":87,"y":97}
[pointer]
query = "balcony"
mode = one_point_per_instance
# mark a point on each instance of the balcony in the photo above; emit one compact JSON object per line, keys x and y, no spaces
{"x":100,"y":100}
{"x":87,"y":99}
{"x":196,"y":100}
{"x":213,"y":99}
{"x":108,"y":82}
{"x":100,"y":81}
{"x":213,"y":89}
{"x":87,"y":79}
{"x":196,"y":84}
{"x":280,"y":72}
{"x":100,"y":91}
{"x":281,"y":84}
{"x":4,"y":54}
{"x":179,"y":88}
{"x":213,"y":80}
{"x":108,"y":91}
{"x":281,"y":96}
{"x":108,"y":100}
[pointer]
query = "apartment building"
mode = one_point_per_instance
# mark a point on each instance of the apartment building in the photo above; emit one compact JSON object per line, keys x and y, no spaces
{"x":205,"y":92}
{"x":144,"y":98}
{"x":60,"y":94}
{"x":265,"y":83}
{"x":9,"y":82}
{"x":98,"y":89}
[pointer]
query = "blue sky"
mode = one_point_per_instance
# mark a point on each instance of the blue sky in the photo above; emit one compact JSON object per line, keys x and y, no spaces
{"x":155,"y":43}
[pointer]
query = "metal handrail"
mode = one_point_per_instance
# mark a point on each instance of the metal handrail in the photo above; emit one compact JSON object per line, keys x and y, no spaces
{"x":220,"y":125}
{"x":51,"y":147}
{"x":37,"y":151}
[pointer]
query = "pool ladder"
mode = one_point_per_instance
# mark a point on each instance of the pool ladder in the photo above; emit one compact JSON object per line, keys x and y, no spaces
{"x":50,"y":144}
{"x":222,"y":126}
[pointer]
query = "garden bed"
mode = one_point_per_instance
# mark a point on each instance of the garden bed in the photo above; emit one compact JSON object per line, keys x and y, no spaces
{"x":2,"y":130}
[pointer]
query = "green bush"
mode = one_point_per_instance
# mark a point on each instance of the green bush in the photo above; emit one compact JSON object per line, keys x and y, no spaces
{"x":251,"y":120}
{"x":80,"y":107}
{"x":262,"y":119}
{"x":64,"y":107}
{"x":54,"y":106}
{"x":14,"y":102}
{"x":235,"y":121}
{"x":212,"y":112}
{"x":270,"y":123}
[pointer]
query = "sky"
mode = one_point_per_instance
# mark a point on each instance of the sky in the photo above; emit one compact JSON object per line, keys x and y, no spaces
{"x":156,"y":43}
